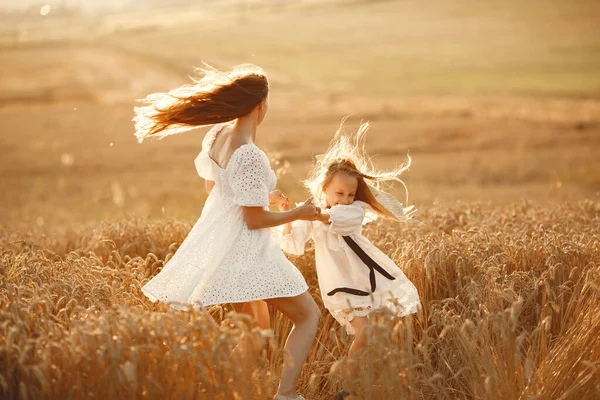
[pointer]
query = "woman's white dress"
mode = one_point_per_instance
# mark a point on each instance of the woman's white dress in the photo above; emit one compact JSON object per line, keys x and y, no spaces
{"x":222,"y":260}
{"x":338,"y":266}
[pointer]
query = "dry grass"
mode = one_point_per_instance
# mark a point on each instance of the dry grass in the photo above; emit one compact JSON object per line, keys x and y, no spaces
{"x":511,"y":300}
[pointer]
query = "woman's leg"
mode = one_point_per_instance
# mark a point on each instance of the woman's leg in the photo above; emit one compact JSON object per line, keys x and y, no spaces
{"x":258,"y":310}
{"x":304,"y":313}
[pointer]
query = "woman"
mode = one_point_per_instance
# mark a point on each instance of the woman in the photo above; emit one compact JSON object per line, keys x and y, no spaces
{"x":231,"y":255}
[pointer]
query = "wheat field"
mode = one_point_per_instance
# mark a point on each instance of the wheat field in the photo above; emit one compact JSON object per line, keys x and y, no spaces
{"x":497,"y":103}
{"x":511,"y":310}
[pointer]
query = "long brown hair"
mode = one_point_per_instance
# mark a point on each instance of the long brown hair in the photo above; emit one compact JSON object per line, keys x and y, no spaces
{"x":347,"y":154}
{"x":213,"y":98}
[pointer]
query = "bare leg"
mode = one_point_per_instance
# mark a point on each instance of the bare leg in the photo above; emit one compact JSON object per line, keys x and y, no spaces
{"x":304,"y":313}
{"x":257,"y":310}
{"x":360,"y":340}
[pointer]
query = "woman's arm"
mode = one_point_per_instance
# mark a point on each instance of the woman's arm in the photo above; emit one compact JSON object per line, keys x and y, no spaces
{"x":209,"y":185}
{"x":259,"y":218}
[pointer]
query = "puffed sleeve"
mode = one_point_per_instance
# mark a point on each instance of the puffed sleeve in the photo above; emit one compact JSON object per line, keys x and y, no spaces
{"x":204,"y":165}
{"x":346,"y":219}
{"x":294,"y":242}
{"x":249,"y":177}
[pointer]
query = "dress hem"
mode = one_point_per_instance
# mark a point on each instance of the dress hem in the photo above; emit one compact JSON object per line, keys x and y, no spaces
{"x":344,"y":316}
{"x":181,"y":305}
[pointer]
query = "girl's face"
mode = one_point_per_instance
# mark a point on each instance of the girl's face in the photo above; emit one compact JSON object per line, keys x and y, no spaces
{"x":341,"y":189}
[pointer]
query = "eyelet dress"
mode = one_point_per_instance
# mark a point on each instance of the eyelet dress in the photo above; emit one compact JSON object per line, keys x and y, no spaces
{"x":222,"y":260}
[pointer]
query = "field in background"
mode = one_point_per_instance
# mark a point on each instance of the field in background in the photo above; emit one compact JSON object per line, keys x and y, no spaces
{"x":497,"y":102}
{"x":494,"y":102}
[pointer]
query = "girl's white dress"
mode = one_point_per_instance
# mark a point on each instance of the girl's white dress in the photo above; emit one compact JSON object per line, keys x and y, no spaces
{"x":341,"y":270}
{"x":222,"y":260}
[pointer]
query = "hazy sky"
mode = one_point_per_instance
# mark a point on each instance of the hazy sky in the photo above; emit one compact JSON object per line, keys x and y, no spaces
{"x":88,"y":5}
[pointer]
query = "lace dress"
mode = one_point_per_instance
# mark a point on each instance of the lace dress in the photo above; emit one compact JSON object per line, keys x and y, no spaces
{"x":222,"y":260}
{"x":355,"y":277}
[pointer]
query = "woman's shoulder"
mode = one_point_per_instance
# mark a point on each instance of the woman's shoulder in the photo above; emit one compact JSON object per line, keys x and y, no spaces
{"x":248,"y":156}
{"x":211,"y":135}
{"x":249,"y":153}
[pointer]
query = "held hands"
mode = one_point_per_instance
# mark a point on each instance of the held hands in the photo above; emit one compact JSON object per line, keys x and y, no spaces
{"x":307,"y":211}
{"x":321,"y":216}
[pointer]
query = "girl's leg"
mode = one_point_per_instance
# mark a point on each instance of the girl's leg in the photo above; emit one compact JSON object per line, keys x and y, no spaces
{"x":358,"y":323}
{"x":258,"y":310}
{"x":360,"y":340}
{"x":304,"y":313}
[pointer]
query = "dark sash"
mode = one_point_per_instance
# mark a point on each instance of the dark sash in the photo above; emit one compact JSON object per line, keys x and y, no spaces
{"x":370,"y":263}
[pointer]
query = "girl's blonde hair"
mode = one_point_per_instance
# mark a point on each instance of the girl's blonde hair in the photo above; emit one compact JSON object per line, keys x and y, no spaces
{"x":347,"y":154}
{"x":213,"y":98}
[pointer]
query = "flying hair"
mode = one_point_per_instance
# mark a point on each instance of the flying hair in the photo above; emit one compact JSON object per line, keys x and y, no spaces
{"x":213,"y":98}
{"x":347,"y":153}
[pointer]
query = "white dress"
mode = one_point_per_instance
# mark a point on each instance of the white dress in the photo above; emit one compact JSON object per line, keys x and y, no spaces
{"x":222,"y":260}
{"x":345,"y":280}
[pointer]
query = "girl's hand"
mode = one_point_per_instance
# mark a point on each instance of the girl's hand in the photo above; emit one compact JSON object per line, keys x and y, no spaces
{"x":308,"y":211}
{"x":276,"y":197}
{"x":284,"y":205}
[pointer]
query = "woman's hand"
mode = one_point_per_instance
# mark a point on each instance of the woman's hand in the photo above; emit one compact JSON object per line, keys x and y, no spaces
{"x":308,"y":211}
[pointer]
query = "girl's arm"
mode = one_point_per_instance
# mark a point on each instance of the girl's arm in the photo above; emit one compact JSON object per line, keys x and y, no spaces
{"x":293,"y":236}
{"x":324,"y":218}
{"x":346,"y":219}
{"x":284,"y":206}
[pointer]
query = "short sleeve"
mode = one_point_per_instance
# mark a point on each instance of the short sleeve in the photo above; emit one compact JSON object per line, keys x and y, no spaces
{"x":204,"y":165}
{"x":249,"y":177}
{"x":346,"y":219}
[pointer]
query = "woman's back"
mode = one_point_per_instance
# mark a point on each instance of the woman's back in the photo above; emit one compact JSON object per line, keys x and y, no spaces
{"x":245,"y":175}
{"x":224,"y":144}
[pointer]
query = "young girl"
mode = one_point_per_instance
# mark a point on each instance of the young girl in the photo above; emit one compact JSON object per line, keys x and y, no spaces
{"x":231,"y":254}
{"x":355,"y":277}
